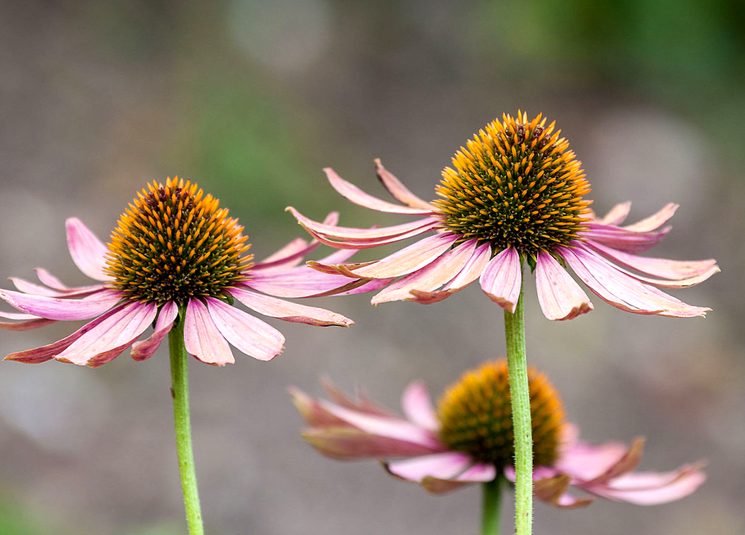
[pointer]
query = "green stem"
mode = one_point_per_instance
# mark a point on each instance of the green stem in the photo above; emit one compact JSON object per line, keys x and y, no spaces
{"x":517,"y":362}
{"x":491,"y":505}
{"x":181,"y":422}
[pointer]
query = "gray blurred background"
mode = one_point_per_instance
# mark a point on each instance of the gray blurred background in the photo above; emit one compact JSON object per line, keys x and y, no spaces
{"x":252,"y":99}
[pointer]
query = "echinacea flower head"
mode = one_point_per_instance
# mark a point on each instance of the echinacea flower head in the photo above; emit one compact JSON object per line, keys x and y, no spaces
{"x":175,"y":255}
{"x":514,"y":194}
{"x":468,"y":439}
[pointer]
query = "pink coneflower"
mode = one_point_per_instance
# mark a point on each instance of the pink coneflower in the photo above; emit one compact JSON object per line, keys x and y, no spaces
{"x":515,"y":193}
{"x":468,"y":439}
{"x":174,"y":253}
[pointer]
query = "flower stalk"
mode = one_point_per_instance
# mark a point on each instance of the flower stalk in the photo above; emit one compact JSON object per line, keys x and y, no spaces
{"x":182,"y":425}
{"x":517,"y":363}
{"x":491,"y":505}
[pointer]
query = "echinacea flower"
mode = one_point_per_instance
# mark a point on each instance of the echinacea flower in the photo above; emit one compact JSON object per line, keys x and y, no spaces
{"x":468,"y":439}
{"x":174,"y":251}
{"x":515,"y":193}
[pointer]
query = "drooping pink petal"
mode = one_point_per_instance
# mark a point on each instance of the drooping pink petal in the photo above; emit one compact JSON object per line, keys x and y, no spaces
{"x":645,"y":488}
{"x":470,"y":272}
{"x":361,"y":403}
{"x":346,"y":443}
{"x":396,"y":188}
{"x":112,"y":336}
{"x":50,"y":280}
{"x":359,"y":197}
{"x":658,"y":267}
{"x":617,"y":214}
{"x":312,"y":283}
{"x":448,"y":465}
{"x":554,"y":491}
{"x":501,"y":279}
{"x":55,"y":308}
{"x":623,"y":291}
{"x":390,"y":427}
{"x":87,"y":251}
{"x":334,"y":232}
{"x":312,"y":411}
{"x":559,"y":296}
{"x":417,"y":405}
{"x":21,"y":322}
{"x":587,"y":462}
{"x":656,"y":220}
{"x":477,"y":473}
{"x":278,"y":308}
{"x":623,"y":239}
{"x":408,"y":259}
{"x":247,"y":333}
{"x":430,"y":277}
{"x":37,"y":289}
{"x":145,"y":349}
{"x":47,"y":352}
{"x":202,"y":337}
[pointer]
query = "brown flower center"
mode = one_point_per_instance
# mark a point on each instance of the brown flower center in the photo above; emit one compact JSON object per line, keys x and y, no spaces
{"x":174,"y":243}
{"x":516,"y":183}
{"x":476,"y":416}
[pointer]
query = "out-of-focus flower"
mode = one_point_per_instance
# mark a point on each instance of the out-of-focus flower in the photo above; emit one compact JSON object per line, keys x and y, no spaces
{"x":174,"y":252}
{"x":468,"y":439}
{"x":515,"y":193}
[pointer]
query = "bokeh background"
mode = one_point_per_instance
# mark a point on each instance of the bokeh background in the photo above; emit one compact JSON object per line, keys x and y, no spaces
{"x":252,"y":99}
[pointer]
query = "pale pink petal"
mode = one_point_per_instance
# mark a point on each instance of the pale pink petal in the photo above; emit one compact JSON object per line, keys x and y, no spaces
{"x":656,"y":220}
{"x":390,"y":427}
{"x":398,"y":190}
{"x":477,"y":473}
{"x":623,"y":239}
{"x":145,"y":349}
{"x":117,"y":332}
{"x":50,"y":280}
{"x":448,"y":465}
{"x":87,"y":251}
{"x":334,"y":232}
{"x":21,"y":322}
{"x":623,"y":291}
{"x":644,"y":488}
{"x":312,"y":283}
{"x":430,"y":277}
{"x":202,"y":337}
{"x":54,"y":308}
{"x":553,"y":490}
{"x":359,"y":197}
{"x":659,"y":267}
{"x":36,"y":289}
{"x":470,"y":272}
{"x":361,"y":403}
{"x":49,"y":351}
{"x":617,"y":214}
{"x":346,"y":443}
{"x":417,"y":405}
{"x":560,"y":297}
{"x":250,"y":335}
{"x":501,"y":279}
{"x":278,"y":308}
{"x":408,"y":259}
{"x":586,"y":462}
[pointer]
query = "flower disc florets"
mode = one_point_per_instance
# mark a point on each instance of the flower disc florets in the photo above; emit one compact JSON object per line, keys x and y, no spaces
{"x":476,"y":416}
{"x":173,"y":243}
{"x":516,"y":183}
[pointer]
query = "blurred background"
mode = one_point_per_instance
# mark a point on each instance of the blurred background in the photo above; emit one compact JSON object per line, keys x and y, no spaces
{"x":252,"y":99}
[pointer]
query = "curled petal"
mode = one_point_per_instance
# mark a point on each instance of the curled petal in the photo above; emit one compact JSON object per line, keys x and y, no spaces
{"x":250,"y":335}
{"x":55,"y":308}
{"x":145,"y":349}
{"x":278,"y":308}
{"x":202,"y":337}
{"x":430,"y":277}
{"x":554,"y":491}
{"x":617,"y":214}
{"x":110,"y":337}
{"x":442,"y":472}
{"x":477,"y":473}
{"x":408,"y":259}
{"x":471,"y":271}
{"x":502,"y":278}
{"x":656,"y":220}
{"x":21,"y":322}
{"x":398,"y":190}
{"x":350,"y":443}
{"x":647,"y":488}
{"x":359,"y":197}
{"x":37,"y":289}
{"x":623,"y":239}
{"x":586,"y":462}
{"x":87,"y":251}
{"x":559,"y":296}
